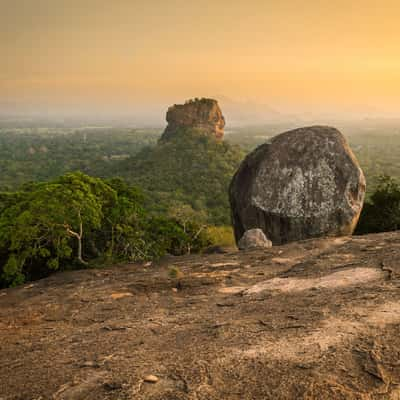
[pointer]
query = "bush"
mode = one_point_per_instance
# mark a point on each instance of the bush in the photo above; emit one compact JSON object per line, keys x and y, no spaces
{"x":221,"y":236}
{"x":381,"y":213}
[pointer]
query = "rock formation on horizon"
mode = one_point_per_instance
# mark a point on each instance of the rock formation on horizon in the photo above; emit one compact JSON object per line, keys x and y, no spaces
{"x":201,"y":115}
{"x":303,"y":183}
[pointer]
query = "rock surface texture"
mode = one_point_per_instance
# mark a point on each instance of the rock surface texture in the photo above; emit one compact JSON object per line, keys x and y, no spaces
{"x":202,"y":115}
{"x":310,"y":320}
{"x":301,"y":184}
{"x":254,"y":238}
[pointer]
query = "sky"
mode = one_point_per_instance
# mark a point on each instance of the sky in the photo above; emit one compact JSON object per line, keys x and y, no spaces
{"x":297,"y":56}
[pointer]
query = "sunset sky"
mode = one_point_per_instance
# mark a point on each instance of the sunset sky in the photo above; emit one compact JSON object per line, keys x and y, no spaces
{"x":296,"y":56}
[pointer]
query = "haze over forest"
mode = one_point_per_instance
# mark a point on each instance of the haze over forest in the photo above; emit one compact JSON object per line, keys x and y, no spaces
{"x":126,"y":62}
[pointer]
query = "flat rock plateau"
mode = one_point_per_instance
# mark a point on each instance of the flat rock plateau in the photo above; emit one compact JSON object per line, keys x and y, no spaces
{"x":317,"y":319}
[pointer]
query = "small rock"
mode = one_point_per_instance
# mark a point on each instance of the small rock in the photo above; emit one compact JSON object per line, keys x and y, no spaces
{"x":224,"y":264}
{"x":150,"y":379}
{"x":29,"y":286}
{"x":175,"y":290}
{"x":117,"y":296}
{"x":110,"y":386}
{"x":254,"y":238}
{"x":89,"y":364}
{"x":232,"y":289}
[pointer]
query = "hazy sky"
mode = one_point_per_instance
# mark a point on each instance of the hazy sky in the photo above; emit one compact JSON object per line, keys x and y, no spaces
{"x":293,"y":55}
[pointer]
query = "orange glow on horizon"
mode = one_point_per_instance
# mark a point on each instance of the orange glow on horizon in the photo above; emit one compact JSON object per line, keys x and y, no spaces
{"x":341,"y":54}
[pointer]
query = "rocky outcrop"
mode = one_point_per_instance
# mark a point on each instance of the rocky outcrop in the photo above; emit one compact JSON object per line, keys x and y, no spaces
{"x":252,"y":239}
{"x":310,"y":320}
{"x":200,"y":115}
{"x":303,"y":183}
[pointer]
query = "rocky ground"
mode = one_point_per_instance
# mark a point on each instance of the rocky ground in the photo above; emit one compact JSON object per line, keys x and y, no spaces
{"x":317,"y":319}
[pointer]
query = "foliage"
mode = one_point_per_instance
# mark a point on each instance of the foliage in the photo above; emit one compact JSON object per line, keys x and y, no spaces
{"x":195,"y":170}
{"x":40,"y":154}
{"x":191,"y":169}
{"x":53,"y":219}
{"x":39,"y":226}
{"x":221,"y":236}
{"x":76,"y":219}
{"x":381,"y":212}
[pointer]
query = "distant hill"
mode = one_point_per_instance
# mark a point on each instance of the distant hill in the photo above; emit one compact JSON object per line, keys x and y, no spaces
{"x":191,"y":168}
{"x":190,"y":164}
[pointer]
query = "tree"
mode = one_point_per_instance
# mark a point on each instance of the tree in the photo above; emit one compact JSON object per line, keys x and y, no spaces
{"x":123,"y":221}
{"x":85,"y":198}
{"x":193,"y":222}
{"x":75,"y":219}
{"x":188,"y":168}
{"x":39,"y":227}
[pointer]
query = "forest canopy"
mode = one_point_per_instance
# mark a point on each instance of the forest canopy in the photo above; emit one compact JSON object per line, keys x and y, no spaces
{"x":171,"y":196}
{"x":68,"y":222}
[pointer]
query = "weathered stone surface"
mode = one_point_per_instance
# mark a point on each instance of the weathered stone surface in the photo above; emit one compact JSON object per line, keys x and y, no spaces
{"x":301,"y":184}
{"x":253,"y":238}
{"x":203,"y":115}
{"x":310,"y":320}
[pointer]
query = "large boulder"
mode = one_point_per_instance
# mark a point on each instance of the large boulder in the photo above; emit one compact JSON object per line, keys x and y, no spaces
{"x":201,"y":115}
{"x":301,"y":184}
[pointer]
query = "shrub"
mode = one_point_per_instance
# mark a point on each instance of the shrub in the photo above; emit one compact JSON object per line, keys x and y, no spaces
{"x":381,"y":213}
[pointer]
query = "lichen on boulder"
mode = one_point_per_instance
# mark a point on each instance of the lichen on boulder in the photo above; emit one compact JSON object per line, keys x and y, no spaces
{"x":301,"y":184}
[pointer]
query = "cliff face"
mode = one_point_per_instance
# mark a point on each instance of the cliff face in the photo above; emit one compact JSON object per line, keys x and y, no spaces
{"x":317,"y":319}
{"x":202,"y":115}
